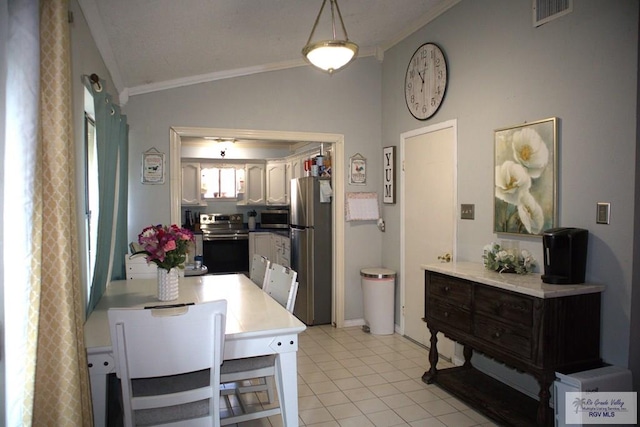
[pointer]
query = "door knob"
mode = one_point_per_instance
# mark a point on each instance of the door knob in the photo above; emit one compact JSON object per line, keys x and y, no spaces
{"x":445,"y":257}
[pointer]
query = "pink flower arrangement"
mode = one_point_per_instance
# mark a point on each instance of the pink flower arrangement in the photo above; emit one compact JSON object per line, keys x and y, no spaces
{"x":166,"y":246}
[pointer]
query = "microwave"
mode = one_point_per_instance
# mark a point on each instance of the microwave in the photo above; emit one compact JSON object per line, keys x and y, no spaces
{"x":272,"y":218}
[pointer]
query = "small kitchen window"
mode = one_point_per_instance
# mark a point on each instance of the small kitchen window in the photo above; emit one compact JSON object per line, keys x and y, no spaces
{"x":221,"y":181}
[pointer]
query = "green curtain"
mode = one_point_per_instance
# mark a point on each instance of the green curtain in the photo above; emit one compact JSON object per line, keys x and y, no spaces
{"x":113,"y":153}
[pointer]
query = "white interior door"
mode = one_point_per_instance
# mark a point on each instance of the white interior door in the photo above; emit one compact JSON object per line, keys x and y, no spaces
{"x":428,"y":218}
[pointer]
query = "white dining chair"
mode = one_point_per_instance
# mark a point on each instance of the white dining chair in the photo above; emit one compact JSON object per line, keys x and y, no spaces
{"x":281,"y":285}
{"x":137,"y":267}
{"x":259,"y":267}
{"x":168,"y":362}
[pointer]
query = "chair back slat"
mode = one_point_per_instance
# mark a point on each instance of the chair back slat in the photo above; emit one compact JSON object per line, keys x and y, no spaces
{"x":281,"y":285}
{"x":259,"y":268}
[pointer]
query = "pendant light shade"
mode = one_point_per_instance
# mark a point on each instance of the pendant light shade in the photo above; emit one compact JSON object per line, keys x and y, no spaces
{"x":330,"y":55}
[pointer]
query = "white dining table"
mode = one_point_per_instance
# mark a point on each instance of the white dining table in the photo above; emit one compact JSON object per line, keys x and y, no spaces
{"x":256,"y":325}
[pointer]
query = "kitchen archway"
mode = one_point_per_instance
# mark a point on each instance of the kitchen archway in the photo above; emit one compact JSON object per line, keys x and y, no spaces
{"x":175,"y":144}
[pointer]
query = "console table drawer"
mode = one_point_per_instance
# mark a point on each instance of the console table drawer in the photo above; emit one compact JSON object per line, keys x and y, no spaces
{"x":452,"y":316}
{"x":505,"y":306}
{"x":454,"y":291}
{"x":505,"y":336}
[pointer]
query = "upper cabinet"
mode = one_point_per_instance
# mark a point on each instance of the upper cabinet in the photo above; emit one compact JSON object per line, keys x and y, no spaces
{"x":277,"y":188}
{"x":191,"y":186}
{"x":254,"y":184}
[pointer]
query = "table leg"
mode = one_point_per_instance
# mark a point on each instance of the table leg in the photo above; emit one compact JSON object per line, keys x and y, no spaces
{"x":287,"y":378}
{"x":544,"y":412}
{"x":468,"y":353}
{"x":430,"y":376}
{"x":99,"y":398}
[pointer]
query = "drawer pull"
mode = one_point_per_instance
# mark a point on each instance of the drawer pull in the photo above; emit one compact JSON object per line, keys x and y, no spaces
{"x":446,"y":314}
{"x":446,"y":289}
{"x":496,"y":334}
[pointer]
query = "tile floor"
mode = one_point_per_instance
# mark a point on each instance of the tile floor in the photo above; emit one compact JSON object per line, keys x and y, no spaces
{"x":349,"y":378}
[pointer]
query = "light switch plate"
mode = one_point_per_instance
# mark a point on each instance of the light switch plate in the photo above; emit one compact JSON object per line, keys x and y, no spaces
{"x":604,"y":212}
{"x":467,"y":211}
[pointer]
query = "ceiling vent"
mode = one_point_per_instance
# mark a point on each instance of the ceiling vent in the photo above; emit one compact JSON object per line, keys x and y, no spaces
{"x":548,"y":10}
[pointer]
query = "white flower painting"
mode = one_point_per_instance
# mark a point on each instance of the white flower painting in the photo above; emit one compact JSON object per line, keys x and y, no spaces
{"x":525,"y":178}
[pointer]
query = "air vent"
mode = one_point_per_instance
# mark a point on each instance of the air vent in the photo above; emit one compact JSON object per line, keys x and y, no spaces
{"x":548,"y":10}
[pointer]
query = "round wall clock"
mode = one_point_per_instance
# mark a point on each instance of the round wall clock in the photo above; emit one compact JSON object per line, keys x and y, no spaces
{"x":426,"y":81}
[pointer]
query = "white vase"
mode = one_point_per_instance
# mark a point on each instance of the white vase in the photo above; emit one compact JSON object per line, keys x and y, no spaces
{"x":168,"y":284}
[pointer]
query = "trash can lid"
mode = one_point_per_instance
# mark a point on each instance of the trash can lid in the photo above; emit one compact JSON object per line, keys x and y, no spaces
{"x":377,"y":272}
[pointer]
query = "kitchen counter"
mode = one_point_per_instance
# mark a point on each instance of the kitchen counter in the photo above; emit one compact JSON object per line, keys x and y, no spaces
{"x":279,"y":231}
{"x":528,"y":284}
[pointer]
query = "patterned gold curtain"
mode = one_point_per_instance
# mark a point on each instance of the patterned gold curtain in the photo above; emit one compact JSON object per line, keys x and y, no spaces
{"x":61,"y":390}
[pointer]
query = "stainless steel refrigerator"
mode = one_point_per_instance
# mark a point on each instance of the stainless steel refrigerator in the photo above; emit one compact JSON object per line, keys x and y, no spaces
{"x":311,"y":247}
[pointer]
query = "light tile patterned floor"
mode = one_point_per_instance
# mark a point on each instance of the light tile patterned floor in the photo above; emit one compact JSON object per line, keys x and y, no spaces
{"x":349,"y":378}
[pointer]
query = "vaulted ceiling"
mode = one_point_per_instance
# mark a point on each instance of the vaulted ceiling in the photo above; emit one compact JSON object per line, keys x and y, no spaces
{"x":151,"y":45}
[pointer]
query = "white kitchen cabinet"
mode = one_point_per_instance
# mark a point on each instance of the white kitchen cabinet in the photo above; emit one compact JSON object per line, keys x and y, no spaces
{"x":191,"y":185}
{"x":281,"y":250}
{"x":255,"y":185}
{"x":276,"y":177}
{"x":260,"y":243}
{"x":296,"y":167}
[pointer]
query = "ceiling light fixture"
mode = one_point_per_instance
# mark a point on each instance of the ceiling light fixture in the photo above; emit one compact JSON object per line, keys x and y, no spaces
{"x":330,"y":55}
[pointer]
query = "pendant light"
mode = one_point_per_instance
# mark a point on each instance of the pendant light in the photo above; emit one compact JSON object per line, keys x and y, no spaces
{"x":330,"y":55}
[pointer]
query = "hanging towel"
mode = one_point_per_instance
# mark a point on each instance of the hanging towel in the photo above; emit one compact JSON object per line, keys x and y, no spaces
{"x":325,"y":191}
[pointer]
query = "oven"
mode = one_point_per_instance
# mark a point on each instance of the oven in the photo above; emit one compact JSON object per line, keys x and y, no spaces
{"x":225,"y":243}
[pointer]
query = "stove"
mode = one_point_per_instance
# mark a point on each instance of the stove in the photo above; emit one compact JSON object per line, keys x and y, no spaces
{"x":215,"y":226}
{"x":225,"y":243}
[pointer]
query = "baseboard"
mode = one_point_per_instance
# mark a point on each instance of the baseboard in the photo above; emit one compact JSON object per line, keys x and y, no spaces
{"x":353,"y":322}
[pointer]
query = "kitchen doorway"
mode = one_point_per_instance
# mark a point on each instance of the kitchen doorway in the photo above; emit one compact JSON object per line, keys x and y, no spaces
{"x":428,"y":219}
{"x":338,"y":181}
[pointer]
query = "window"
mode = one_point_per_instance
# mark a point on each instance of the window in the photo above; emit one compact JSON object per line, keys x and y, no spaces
{"x":91,"y":198}
{"x":221,"y":181}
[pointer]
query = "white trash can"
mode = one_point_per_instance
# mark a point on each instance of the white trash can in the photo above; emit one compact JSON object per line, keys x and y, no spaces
{"x":378,"y":290}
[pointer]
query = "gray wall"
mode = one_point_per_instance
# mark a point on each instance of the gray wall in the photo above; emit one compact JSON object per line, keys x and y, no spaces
{"x":581,"y":68}
{"x":298,"y":99}
{"x":85,"y":60}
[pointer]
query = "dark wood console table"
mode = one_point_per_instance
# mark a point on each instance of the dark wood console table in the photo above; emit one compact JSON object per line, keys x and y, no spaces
{"x":517,"y":320}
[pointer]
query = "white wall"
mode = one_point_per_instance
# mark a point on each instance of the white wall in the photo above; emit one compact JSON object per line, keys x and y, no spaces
{"x":580,"y":68}
{"x":299,"y":99}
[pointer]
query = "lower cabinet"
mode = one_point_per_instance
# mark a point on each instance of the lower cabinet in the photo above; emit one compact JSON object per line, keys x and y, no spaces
{"x":536,"y":335}
{"x":282,"y":250}
{"x":275,"y":247}
{"x":260,"y":243}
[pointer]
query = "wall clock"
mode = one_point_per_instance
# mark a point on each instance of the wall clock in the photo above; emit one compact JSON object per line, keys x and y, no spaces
{"x":426,"y":81}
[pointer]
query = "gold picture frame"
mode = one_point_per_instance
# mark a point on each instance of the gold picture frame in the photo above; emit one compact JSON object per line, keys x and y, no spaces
{"x":526,"y":178}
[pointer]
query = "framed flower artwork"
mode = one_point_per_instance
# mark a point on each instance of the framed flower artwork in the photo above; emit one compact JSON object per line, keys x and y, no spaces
{"x":525,"y":178}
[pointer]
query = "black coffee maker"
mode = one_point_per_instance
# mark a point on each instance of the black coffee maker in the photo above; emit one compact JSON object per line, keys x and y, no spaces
{"x":565,"y":255}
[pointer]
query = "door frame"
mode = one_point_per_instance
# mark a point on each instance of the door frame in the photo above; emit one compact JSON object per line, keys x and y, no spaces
{"x":453,"y":124}
{"x":338,"y":180}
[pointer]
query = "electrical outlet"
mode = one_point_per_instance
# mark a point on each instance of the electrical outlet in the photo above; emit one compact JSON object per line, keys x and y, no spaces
{"x":467,"y":211}
{"x":604,"y":212}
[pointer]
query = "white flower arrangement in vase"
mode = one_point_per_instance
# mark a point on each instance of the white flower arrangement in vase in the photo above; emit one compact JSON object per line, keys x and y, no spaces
{"x":496,"y":258}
